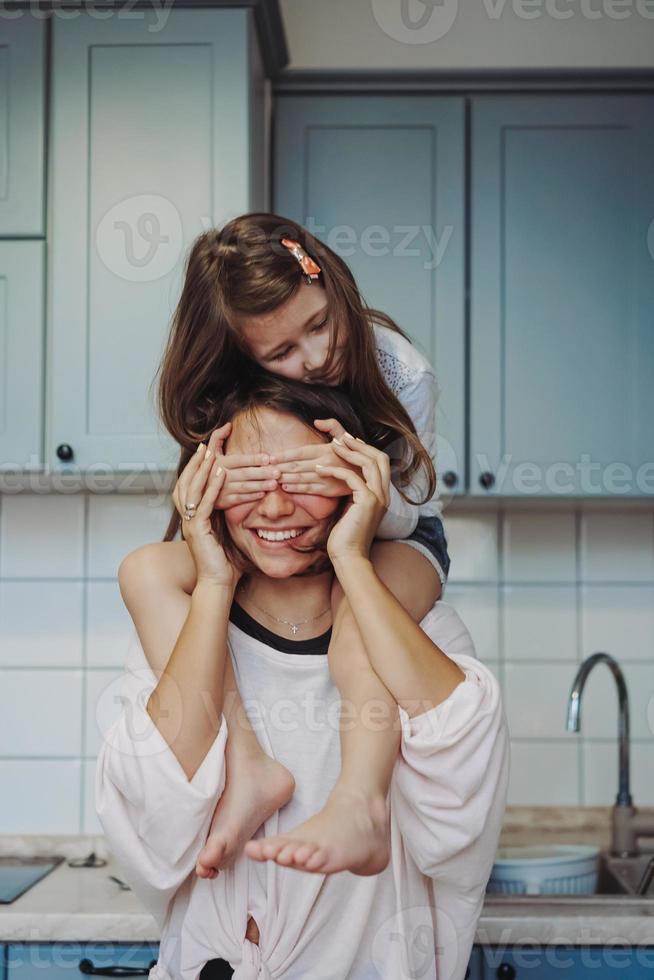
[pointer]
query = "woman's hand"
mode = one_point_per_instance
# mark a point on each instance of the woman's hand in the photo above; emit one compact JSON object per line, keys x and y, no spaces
{"x":298,"y":466}
{"x":200,"y":483}
{"x":247,"y":475}
{"x":354,"y":532}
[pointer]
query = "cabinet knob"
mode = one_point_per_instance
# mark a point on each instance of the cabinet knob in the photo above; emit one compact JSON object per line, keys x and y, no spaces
{"x":505,"y":972}
{"x":487,"y":480}
{"x":65,"y":452}
{"x":449,"y":478}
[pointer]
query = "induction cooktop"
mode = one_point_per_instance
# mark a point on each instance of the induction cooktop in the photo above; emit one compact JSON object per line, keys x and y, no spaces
{"x":17,"y":875}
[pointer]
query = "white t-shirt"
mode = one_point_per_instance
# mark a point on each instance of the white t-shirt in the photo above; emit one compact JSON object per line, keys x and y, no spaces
{"x":446,"y":803}
{"x":412,"y":380}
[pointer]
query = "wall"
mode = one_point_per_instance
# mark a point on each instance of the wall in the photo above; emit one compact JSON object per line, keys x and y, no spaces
{"x":470,"y":33}
{"x":539,"y":590}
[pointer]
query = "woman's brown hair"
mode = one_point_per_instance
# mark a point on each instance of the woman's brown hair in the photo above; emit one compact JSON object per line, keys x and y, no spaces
{"x":242,"y":270}
{"x":258,"y":389}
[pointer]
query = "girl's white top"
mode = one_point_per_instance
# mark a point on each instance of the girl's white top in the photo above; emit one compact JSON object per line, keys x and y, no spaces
{"x":412,"y":380}
{"x":446,"y":805}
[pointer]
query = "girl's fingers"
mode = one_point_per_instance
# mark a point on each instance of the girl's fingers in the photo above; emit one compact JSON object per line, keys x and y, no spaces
{"x":251,"y":486}
{"x":352,"y":479}
{"x":234,"y":461}
{"x":333,"y":426}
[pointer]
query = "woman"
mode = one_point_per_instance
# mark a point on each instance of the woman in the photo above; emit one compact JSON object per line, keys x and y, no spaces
{"x":158,"y":785}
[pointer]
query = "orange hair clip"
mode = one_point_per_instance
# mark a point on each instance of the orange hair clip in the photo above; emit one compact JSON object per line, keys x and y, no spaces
{"x":309,"y":267}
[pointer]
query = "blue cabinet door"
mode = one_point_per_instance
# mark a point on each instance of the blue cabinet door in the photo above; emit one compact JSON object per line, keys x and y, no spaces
{"x":475,"y":969}
{"x":562,"y":295}
{"x":22,"y":126}
{"x":380,"y":179}
{"x":36,"y":961}
{"x":569,"y":962}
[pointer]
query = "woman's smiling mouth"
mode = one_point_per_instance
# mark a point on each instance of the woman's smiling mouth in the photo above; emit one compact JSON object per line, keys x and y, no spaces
{"x":271,"y":538}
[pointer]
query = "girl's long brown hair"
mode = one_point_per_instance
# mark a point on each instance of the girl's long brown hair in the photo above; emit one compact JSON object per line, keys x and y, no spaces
{"x":242,"y":270}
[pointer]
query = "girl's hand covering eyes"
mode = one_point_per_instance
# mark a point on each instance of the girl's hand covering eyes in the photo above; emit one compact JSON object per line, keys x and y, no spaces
{"x":298,"y":466}
{"x":248,"y":476}
{"x":367,"y":473}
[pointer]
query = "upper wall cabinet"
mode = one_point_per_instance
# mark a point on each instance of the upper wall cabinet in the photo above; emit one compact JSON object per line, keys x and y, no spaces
{"x":22,"y":125}
{"x":155,"y":122}
{"x":21,"y":360}
{"x":380,"y":180}
{"x":562,"y":295}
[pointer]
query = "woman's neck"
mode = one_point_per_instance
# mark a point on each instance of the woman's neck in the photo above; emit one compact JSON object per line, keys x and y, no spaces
{"x":294,"y":599}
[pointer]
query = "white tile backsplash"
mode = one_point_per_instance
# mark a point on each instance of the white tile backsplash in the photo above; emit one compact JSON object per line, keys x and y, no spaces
{"x":472,"y":541}
{"x":600,"y":762}
{"x":118,"y":523}
{"x":536,"y":696}
{"x":40,"y":795}
{"x":539,"y":590}
{"x":540,"y":622}
{"x":41,"y":623}
{"x":41,"y":712}
{"x":539,"y":546}
{"x":617,"y":547}
{"x":108,"y":625}
{"x":544,"y":773}
{"x":42,"y":536}
{"x":618,"y":619}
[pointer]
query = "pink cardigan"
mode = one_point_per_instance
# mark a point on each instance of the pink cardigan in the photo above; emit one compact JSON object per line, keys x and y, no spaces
{"x":447,"y":800}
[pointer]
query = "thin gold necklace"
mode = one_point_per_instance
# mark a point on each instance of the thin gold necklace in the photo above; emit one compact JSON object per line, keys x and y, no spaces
{"x":294,"y":626}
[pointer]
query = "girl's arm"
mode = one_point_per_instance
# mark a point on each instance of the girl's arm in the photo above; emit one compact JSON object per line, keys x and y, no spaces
{"x":419,"y":398}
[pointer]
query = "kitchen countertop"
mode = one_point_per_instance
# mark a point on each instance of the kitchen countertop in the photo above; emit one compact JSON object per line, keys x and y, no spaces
{"x":84,"y":904}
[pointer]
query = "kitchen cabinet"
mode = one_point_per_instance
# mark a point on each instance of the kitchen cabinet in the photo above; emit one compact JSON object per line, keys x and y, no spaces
{"x":22,"y":288}
{"x":22,"y":125}
{"x":380,"y":179}
{"x":562,"y":295}
{"x":576,"y":963}
{"x":554,"y":383}
{"x":33,"y":961}
{"x":156,"y":135}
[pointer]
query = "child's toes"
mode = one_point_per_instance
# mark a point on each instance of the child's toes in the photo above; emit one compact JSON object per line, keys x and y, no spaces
{"x":317,"y":859}
{"x":304,"y":852}
{"x":286,"y":854}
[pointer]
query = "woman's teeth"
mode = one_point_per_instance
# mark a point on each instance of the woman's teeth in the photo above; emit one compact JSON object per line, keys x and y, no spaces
{"x":278,"y":535}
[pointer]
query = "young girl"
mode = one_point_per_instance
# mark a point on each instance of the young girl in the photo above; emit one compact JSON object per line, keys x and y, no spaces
{"x":262,"y":290}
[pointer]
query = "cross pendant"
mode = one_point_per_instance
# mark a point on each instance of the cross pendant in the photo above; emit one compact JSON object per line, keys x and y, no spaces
{"x":294,"y":628}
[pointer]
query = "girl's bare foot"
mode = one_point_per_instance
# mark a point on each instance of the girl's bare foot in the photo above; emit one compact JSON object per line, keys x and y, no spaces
{"x":255,"y":787}
{"x":350,"y":833}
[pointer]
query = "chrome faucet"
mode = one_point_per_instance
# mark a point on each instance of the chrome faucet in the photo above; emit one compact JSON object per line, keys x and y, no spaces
{"x":627,"y":822}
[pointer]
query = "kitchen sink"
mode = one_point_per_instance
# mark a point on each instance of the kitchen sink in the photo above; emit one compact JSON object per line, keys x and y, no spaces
{"x":17,"y":875}
{"x":618,"y":879}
